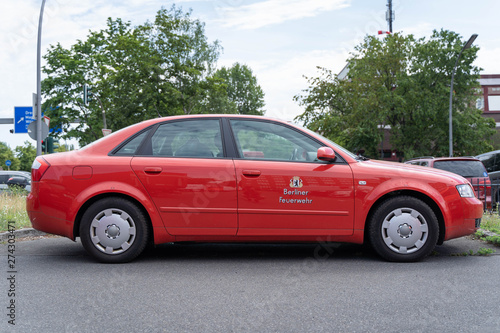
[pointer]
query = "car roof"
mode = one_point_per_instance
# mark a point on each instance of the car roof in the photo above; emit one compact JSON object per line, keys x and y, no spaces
{"x":488,"y":153}
{"x":14,"y":172}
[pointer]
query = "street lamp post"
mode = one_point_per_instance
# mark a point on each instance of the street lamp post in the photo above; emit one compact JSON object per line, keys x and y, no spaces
{"x":38,"y":86}
{"x":466,"y":46}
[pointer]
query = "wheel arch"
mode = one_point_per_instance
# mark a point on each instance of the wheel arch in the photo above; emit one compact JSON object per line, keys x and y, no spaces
{"x":92,"y":200}
{"x":418,"y":195}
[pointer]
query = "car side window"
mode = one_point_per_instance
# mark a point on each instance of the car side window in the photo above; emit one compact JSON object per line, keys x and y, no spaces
{"x":189,"y":138}
{"x":130,"y":148}
{"x":264,"y":140}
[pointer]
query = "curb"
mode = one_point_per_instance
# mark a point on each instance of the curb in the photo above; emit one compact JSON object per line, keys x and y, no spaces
{"x":21,"y":233}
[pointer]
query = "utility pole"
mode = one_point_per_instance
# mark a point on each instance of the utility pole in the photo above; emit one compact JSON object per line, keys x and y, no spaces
{"x":39,"y":86}
{"x":389,"y":15}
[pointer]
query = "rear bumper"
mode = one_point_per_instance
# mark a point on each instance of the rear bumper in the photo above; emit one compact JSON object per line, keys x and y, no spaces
{"x":49,"y":224}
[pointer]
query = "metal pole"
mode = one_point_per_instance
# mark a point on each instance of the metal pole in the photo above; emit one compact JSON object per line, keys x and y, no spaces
{"x":39,"y":86}
{"x":466,"y":46}
{"x":450,"y":126}
{"x":103,"y":112}
{"x":390,"y":15}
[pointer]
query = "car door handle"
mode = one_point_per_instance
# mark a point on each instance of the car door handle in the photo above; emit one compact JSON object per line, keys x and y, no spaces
{"x":152,"y":170}
{"x":251,"y":173}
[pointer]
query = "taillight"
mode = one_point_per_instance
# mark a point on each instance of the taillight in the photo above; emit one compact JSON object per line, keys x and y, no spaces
{"x":38,"y":168}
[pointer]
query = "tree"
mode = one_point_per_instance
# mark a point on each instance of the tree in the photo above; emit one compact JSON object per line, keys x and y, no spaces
{"x":26,"y":155}
{"x":7,"y":154}
{"x":242,"y":89}
{"x":403,"y":83}
{"x":156,"y":69}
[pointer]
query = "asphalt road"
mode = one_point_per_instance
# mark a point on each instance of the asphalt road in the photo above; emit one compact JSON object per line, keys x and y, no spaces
{"x":249,"y":288}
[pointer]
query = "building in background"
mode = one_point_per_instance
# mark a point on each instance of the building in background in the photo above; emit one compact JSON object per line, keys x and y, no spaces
{"x":489,"y":102}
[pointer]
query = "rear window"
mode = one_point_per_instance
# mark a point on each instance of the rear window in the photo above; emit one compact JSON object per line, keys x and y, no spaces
{"x":466,"y":169}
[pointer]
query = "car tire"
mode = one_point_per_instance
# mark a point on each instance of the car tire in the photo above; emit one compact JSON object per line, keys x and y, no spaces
{"x":403,"y":229}
{"x":114,"y":230}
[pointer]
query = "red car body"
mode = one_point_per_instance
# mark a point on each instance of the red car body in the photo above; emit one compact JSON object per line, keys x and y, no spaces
{"x":242,"y":192}
{"x":470,"y":168}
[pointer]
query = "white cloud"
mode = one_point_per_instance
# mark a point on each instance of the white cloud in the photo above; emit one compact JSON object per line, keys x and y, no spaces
{"x":488,"y":59}
{"x":421,"y":29}
{"x":282,"y":80}
{"x":269,"y":12}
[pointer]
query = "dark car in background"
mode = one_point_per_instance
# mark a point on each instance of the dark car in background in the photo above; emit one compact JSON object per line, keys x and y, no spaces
{"x":15,"y":178}
{"x":470,"y":168}
{"x":491,"y":161}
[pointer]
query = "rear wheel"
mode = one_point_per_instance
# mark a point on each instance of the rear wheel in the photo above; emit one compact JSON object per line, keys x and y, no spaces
{"x":114,"y":230}
{"x":403,"y":229}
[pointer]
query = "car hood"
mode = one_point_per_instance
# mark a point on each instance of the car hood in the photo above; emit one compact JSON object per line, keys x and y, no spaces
{"x":412,"y":171}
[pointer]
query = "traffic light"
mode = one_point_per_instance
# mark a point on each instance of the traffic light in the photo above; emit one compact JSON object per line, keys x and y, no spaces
{"x":55,"y":144}
{"x":50,"y":145}
{"x":44,"y":146}
{"x":87,"y":94}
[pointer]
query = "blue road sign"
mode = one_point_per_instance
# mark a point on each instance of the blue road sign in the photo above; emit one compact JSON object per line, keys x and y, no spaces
{"x":23,"y":116}
{"x":8,"y":163}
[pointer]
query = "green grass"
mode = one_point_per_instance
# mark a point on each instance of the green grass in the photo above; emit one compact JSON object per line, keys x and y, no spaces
{"x":13,"y":209}
{"x":491,"y":222}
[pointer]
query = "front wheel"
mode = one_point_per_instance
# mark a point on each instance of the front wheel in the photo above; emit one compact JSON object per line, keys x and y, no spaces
{"x":403,"y":229}
{"x":114,"y":230}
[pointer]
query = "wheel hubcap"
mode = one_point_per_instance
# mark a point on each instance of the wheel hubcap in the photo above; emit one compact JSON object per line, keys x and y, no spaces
{"x":404,"y":230}
{"x":112,"y":231}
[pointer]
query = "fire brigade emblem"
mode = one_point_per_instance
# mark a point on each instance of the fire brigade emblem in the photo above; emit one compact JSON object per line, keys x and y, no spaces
{"x":296,"y":182}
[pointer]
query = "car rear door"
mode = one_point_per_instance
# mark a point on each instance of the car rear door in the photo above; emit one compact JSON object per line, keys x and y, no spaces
{"x":187,"y":176}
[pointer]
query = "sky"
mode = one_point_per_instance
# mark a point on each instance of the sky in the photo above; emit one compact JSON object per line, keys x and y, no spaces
{"x":282,"y":41}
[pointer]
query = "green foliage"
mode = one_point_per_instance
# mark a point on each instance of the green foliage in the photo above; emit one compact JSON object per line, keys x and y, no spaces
{"x":485,"y":251}
{"x":493,"y":239}
{"x":403,"y":83}
{"x":7,"y":154}
{"x":242,"y":89}
{"x":491,"y":222}
{"x":26,"y":155}
{"x":161,"y":68}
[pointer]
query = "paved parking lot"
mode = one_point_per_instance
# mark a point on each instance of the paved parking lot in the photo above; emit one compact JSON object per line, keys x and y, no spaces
{"x":251,"y":288}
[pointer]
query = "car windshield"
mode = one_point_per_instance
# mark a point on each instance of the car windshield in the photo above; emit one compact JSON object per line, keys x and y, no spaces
{"x":463,"y":168}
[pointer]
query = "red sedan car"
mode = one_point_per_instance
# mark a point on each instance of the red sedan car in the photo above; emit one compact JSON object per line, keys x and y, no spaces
{"x":227,"y":178}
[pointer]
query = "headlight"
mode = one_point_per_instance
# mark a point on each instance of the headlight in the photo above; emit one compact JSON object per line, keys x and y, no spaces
{"x":465,"y":191}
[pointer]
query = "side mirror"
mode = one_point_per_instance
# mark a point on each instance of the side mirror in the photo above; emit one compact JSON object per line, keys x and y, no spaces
{"x":326,"y":154}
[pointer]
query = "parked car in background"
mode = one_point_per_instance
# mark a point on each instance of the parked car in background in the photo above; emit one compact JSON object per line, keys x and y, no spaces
{"x":491,"y":161}
{"x":470,"y":168}
{"x":19,"y":178}
{"x":235,"y":178}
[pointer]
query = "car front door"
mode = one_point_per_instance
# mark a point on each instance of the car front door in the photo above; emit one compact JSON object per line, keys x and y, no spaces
{"x":283,"y":190}
{"x":182,"y":166}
